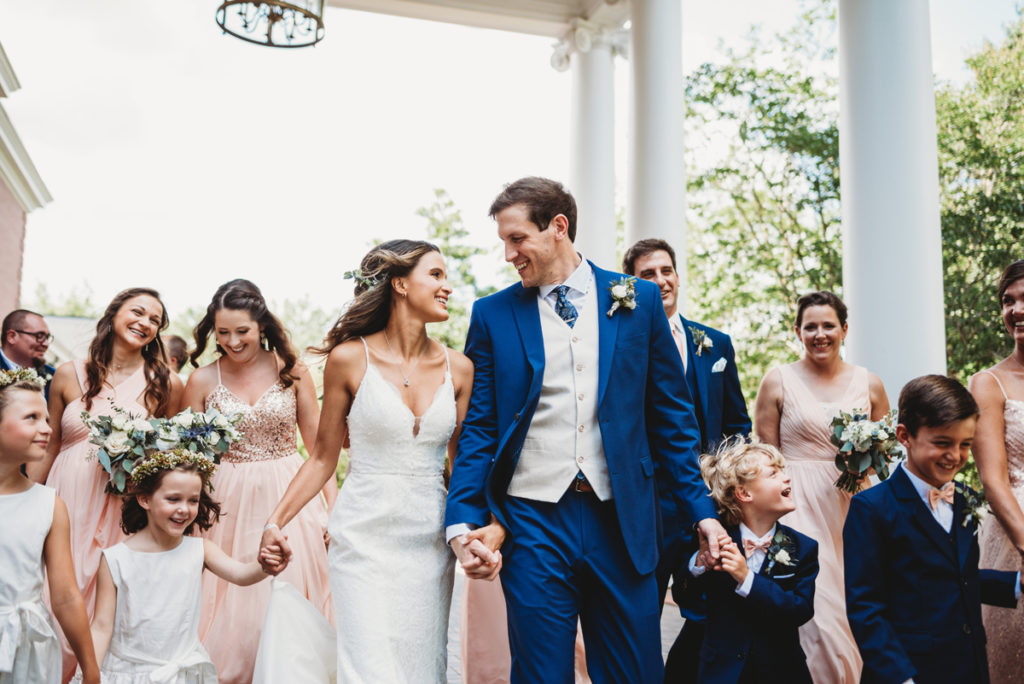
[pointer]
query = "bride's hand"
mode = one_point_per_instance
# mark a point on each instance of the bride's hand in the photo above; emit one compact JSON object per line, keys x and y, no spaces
{"x":492,"y":535}
{"x":478,"y":561}
{"x":274,"y":551}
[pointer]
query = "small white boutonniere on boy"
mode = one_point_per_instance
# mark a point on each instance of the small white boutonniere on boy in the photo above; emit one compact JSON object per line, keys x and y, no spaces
{"x":782,"y":552}
{"x":623,"y":294}
{"x":701,"y":341}
{"x":975,"y":506}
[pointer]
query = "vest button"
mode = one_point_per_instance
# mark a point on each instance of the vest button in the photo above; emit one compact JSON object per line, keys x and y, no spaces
{"x":580,"y":396}
{"x":579,"y":459}
{"x":580,"y":428}
{"x":575,"y":339}
{"x":579,"y":366}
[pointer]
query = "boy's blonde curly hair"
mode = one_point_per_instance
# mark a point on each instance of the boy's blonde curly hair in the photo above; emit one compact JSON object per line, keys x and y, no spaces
{"x":735,"y":463}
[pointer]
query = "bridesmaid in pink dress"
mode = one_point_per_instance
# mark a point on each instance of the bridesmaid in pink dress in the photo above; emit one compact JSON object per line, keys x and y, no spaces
{"x":794,"y":409}
{"x":999,"y":452}
{"x":259,"y":376}
{"x":125,"y":369}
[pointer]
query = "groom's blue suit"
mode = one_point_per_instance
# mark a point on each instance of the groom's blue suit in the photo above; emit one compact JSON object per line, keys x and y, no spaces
{"x":580,"y":554}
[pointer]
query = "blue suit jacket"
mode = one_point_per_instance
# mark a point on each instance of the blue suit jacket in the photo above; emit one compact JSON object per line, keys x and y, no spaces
{"x":644,"y":411}
{"x":759,"y":631}
{"x":46,"y":370}
{"x":913,"y":591}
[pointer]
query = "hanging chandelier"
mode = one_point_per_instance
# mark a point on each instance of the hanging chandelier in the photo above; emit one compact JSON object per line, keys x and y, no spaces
{"x":277,"y":23}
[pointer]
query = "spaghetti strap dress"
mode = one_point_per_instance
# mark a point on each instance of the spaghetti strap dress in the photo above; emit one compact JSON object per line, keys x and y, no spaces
{"x":804,"y":430}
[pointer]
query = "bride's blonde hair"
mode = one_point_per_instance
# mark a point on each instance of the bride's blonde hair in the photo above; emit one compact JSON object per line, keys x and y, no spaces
{"x":733,"y":464}
{"x":369,"y":311}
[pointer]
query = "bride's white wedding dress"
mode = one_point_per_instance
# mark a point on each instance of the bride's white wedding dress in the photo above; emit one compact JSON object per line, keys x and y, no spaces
{"x":391,"y":571}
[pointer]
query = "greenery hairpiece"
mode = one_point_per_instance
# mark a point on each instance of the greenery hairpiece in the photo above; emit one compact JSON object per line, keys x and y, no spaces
{"x":175,"y":458}
{"x":10,"y":377}
{"x":368,"y":282}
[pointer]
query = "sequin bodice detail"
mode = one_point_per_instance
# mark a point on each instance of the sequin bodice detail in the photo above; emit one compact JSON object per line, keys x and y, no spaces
{"x":268,"y":426}
{"x":1014,"y":418}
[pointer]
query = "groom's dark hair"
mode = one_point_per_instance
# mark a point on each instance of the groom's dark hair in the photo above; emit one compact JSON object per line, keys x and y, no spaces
{"x":543,"y":198}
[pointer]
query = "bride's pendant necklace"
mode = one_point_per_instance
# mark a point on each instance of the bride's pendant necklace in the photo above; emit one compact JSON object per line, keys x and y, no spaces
{"x":398,"y":360}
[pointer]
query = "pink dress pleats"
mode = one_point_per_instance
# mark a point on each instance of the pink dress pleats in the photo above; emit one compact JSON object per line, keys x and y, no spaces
{"x":804,"y":429}
{"x":249,"y":482}
{"x":1005,"y":627}
{"x":81,"y":482}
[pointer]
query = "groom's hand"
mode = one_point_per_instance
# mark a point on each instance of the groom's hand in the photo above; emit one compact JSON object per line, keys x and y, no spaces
{"x":477,"y":561}
{"x":710,"y":530}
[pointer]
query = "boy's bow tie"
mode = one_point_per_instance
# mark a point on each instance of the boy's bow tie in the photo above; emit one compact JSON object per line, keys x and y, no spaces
{"x":937,"y":495}
{"x":749,"y":546}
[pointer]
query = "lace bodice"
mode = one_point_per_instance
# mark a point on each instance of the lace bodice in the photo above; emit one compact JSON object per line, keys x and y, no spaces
{"x":268,"y":426}
{"x":381,"y":425}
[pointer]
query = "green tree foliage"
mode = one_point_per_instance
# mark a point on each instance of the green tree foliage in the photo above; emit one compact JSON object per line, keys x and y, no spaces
{"x":981,"y":173}
{"x":763,"y":190}
{"x":78,"y":302}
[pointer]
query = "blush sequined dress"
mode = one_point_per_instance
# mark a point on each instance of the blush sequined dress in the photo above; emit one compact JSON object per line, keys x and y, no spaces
{"x":250,"y":480}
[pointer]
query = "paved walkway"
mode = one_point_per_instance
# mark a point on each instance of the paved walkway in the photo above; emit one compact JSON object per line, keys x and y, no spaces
{"x":671,"y":623}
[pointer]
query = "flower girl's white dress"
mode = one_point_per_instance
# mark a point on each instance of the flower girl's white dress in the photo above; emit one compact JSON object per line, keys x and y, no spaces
{"x":29,"y":647}
{"x":156,"y":627}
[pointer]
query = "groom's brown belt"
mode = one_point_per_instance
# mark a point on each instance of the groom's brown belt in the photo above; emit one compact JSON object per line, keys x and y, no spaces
{"x":580,"y":484}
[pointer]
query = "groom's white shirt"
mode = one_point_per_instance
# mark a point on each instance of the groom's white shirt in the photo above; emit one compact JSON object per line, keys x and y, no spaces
{"x":564,"y":436}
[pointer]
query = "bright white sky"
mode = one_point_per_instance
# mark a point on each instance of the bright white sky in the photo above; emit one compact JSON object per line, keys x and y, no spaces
{"x":179,"y":157}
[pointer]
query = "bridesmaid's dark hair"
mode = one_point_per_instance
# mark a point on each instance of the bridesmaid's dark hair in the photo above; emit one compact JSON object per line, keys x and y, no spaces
{"x":1012,"y":274}
{"x":133,"y":515}
{"x":823,"y":298}
{"x":242,"y":295}
{"x":370,"y":310}
{"x":157,"y":397}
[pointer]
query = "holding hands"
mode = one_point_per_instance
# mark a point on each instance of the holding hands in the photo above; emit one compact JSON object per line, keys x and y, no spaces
{"x":478,"y":552}
{"x":274,"y":552}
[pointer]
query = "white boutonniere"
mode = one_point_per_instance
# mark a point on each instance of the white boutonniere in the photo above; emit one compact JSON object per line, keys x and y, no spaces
{"x":701,"y":341}
{"x":975,"y":506}
{"x":623,"y":294}
{"x":781,"y":552}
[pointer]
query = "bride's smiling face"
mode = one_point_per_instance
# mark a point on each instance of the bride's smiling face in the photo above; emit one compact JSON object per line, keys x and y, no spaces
{"x":426,"y":288}
{"x":237,"y":334}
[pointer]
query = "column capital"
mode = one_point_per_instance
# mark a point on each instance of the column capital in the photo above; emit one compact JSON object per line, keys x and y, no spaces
{"x":583,"y":36}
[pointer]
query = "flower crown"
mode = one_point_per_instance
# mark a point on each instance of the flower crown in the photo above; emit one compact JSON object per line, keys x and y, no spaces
{"x":10,"y":377}
{"x":169,"y":460}
{"x":369,"y":282}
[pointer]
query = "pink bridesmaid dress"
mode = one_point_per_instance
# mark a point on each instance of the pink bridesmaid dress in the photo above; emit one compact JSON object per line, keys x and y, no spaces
{"x":804,"y":429}
{"x":81,"y":482}
{"x":251,"y":478}
{"x":1004,"y":627}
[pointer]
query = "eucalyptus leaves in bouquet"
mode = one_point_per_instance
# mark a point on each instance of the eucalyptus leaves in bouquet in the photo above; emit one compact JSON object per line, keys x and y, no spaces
{"x":863,"y":444}
{"x":125,"y":440}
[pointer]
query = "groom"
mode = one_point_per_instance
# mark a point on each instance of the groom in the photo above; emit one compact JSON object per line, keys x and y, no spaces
{"x":574,"y":399}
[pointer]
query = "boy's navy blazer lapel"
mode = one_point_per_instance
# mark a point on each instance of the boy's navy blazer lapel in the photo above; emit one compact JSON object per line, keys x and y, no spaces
{"x":699,"y":364}
{"x":911,"y":501}
{"x":527,"y":314}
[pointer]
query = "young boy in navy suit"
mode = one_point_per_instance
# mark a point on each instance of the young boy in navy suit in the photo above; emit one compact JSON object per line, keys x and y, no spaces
{"x":913,"y":588}
{"x":763,"y":588}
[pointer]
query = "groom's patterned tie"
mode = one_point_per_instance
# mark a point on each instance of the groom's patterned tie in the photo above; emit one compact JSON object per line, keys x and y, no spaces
{"x":563,"y":307}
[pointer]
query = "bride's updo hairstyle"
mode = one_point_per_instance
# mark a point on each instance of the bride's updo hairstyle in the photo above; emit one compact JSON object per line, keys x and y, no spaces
{"x":157,"y":397}
{"x":371,"y":308}
{"x":242,"y":295}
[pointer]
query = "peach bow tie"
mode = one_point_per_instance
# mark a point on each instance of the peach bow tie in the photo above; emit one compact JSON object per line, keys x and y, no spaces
{"x":749,"y":546}
{"x":937,"y":495}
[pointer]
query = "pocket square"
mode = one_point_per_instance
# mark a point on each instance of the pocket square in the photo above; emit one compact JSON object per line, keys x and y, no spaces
{"x":719,"y":366}
{"x":778,"y":577}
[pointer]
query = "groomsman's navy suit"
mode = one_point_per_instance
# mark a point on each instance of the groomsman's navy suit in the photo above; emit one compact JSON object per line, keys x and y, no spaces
{"x":604,"y":553}
{"x":46,"y":370}
{"x":914,"y":591}
{"x":755,"y":638}
{"x":714,"y":384}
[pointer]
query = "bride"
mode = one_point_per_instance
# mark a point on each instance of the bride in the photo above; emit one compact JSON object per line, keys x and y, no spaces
{"x":399,"y":397}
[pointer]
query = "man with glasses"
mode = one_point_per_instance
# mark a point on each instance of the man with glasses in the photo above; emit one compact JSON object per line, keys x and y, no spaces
{"x":26,"y":337}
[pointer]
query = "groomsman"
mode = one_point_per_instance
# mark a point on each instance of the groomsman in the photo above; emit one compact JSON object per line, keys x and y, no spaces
{"x":26,"y":337}
{"x":577,"y":399}
{"x":709,"y":363}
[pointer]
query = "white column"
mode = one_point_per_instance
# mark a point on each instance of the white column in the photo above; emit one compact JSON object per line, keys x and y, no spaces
{"x":892,"y":252}
{"x":590,"y":52}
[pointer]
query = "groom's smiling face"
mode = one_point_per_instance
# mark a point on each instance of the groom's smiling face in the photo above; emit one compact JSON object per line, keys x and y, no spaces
{"x":531,"y":251}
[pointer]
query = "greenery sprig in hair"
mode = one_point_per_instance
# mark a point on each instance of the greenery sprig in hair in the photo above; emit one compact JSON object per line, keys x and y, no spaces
{"x":175,"y":458}
{"x":11,"y":377}
{"x":369,"y":282}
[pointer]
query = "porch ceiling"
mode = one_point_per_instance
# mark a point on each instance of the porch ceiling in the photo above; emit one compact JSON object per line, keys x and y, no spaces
{"x":540,"y":17}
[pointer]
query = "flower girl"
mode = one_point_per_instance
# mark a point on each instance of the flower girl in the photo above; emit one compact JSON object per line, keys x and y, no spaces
{"x":147,"y":599}
{"x":34,"y":534}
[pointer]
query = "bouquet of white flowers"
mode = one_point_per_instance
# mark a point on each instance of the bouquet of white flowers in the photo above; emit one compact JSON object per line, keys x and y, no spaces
{"x":125,"y":440}
{"x":863,"y":444}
